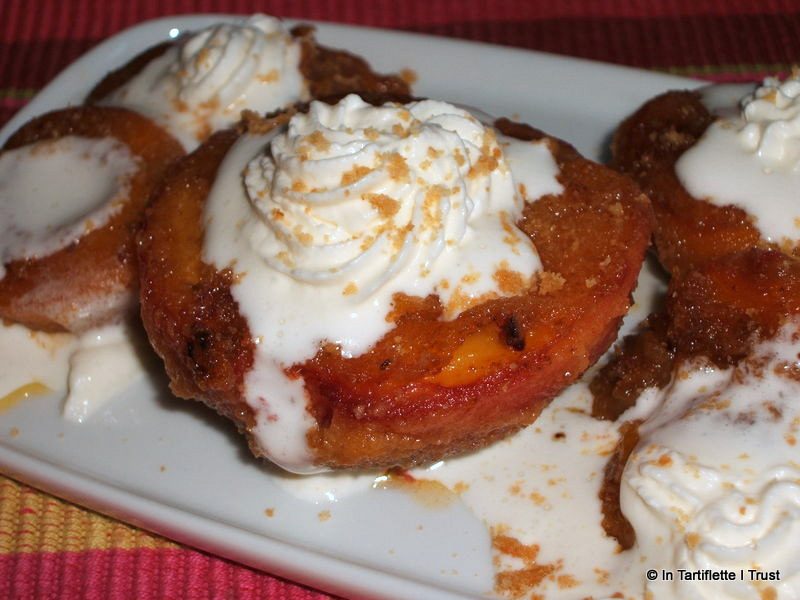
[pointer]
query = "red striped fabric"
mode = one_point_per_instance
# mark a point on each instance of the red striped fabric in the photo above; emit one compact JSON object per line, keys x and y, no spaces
{"x":143,"y":574}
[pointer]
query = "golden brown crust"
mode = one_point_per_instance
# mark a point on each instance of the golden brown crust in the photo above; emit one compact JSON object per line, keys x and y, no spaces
{"x":331,"y":73}
{"x":714,"y":313}
{"x":640,"y":361}
{"x":187,"y":310}
{"x":92,"y":281}
{"x":614,"y":522}
{"x":430,"y":387}
{"x":688,"y":232}
{"x":729,"y":287}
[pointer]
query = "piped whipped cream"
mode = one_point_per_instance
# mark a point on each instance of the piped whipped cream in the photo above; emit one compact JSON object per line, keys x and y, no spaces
{"x":53,"y":192}
{"x":772,"y":114}
{"x":203,"y":82}
{"x":715,"y":480}
{"x":348,"y":206}
{"x":751,"y":160}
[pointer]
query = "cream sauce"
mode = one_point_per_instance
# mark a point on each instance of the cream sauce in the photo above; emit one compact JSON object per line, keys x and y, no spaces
{"x":53,"y":192}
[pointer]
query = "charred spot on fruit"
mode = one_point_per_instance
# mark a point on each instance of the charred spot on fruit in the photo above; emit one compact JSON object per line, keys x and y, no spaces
{"x":196,"y":346}
{"x":513,"y":336}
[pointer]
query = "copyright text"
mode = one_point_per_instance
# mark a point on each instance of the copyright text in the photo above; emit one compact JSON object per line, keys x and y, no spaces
{"x":713,"y":575}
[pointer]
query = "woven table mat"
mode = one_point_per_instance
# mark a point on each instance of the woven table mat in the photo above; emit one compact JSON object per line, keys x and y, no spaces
{"x":52,"y":549}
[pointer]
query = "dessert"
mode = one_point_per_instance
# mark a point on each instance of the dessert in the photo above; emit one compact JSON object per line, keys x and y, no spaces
{"x":380,"y":286}
{"x":551,"y":470}
{"x":73,"y":186}
{"x":704,"y":475}
{"x":719,"y":505}
{"x":202,"y":81}
{"x":723,"y":184}
{"x":718,"y":165}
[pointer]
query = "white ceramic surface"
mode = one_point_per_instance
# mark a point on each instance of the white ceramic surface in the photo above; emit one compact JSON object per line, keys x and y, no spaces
{"x":175,"y":468}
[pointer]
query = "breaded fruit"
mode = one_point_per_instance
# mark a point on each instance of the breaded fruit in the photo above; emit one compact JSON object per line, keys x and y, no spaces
{"x":688,"y":232}
{"x":715,"y":313}
{"x":93,"y":280}
{"x":431,"y":387}
{"x":328,"y":72}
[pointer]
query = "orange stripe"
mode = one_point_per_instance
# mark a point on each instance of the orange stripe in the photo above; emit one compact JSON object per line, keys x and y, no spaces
{"x":32,"y":521}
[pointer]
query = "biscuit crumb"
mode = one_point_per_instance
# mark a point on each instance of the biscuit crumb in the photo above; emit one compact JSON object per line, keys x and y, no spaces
{"x":254,"y":123}
{"x":354,"y":174}
{"x":518,"y":582}
{"x":673,"y":137}
{"x":396,"y":166}
{"x":567,"y":581}
{"x":510,"y":282}
{"x":318,"y":140}
{"x":386,"y":206}
{"x":550,"y":283}
{"x":460,"y":487}
{"x":409,"y":76}
{"x":270,"y":76}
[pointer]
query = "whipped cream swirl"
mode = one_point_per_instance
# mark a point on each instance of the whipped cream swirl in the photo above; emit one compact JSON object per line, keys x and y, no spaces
{"x":772,"y":117}
{"x":203,"y":82}
{"x":750,"y":158}
{"x":353,"y":196}
{"x":715,"y":481}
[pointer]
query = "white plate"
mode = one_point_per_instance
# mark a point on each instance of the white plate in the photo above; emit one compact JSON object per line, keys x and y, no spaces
{"x":177,"y":469}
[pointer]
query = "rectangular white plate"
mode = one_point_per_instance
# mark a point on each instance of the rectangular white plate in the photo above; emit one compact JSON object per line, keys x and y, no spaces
{"x":175,"y":468}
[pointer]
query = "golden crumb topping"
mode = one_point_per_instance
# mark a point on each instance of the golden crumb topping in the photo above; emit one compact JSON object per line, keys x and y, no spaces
{"x":354,"y":174}
{"x":386,"y":206}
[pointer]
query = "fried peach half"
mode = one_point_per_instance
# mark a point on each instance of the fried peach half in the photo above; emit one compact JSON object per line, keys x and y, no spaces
{"x":689,"y":232}
{"x":430,"y":387}
{"x":715,"y":313}
{"x":93,"y":280}
{"x":328,"y":72}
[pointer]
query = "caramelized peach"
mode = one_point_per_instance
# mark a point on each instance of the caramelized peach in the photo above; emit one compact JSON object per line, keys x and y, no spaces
{"x":93,"y":280}
{"x":328,"y":72}
{"x":714,"y":313}
{"x":430,"y":387}
{"x":688,"y":232}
